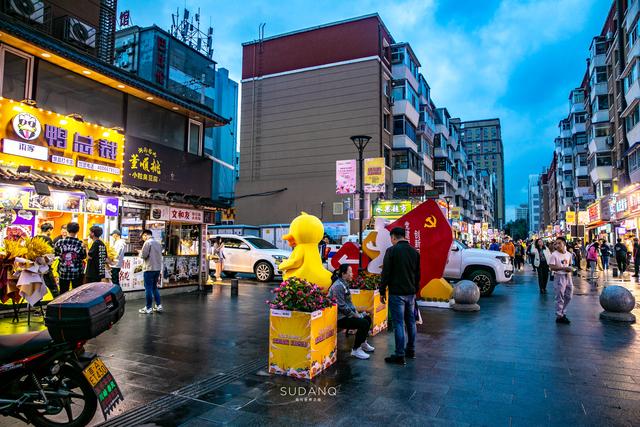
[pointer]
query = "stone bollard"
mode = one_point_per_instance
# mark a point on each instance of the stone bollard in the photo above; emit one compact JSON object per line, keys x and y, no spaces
{"x":466,"y":295}
{"x":617,"y":302}
{"x":234,"y":287}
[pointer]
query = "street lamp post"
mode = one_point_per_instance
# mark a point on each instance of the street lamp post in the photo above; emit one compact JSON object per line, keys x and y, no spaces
{"x":448,"y":200}
{"x":360,"y":141}
{"x":577,"y":203}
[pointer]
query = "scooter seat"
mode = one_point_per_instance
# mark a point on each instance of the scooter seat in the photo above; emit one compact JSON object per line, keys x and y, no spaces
{"x":17,"y":346}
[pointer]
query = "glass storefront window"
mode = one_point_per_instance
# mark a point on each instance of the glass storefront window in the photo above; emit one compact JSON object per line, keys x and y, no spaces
{"x":182,"y":239}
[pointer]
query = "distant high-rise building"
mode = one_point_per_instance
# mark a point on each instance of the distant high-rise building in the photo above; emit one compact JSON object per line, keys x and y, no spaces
{"x":533,"y":206}
{"x":522,"y":212}
{"x":483,"y":143}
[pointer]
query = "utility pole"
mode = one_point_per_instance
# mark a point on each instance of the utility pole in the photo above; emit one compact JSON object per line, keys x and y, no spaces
{"x":360,"y":142}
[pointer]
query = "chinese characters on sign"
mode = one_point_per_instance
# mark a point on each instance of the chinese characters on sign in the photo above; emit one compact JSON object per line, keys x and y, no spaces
{"x":345,"y":176}
{"x":144,"y":165}
{"x":391,"y":208}
{"x":170,"y":213}
{"x":374,"y":175}
{"x":42,"y":140}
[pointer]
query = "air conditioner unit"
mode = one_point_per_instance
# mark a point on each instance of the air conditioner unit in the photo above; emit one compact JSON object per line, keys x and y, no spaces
{"x":32,"y":10}
{"x":79,"y":33}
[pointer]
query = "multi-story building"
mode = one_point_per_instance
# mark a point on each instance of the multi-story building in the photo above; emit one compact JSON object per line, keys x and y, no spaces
{"x":522,"y":212}
{"x":534,"y":203}
{"x":158,"y":57}
{"x":86,"y":141}
{"x":483,"y":142}
{"x":365,"y":84}
{"x":545,"y":200}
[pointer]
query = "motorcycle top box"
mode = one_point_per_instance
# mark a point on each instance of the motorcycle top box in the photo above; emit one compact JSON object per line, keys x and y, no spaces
{"x":84,"y":312}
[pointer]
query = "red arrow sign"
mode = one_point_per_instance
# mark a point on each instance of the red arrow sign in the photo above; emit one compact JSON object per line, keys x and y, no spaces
{"x":349,"y":253}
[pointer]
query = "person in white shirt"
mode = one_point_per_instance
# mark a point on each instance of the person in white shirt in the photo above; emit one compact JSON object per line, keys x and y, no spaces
{"x":118,"y":246}
{"x":561,"y":264}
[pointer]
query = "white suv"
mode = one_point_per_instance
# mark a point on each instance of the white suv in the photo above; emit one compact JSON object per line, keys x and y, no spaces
{"x":485,"y":268}
{"x":248,"y":254}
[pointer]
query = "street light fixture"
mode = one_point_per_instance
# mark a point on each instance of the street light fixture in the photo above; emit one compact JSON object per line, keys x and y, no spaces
{"x":360,"y":142}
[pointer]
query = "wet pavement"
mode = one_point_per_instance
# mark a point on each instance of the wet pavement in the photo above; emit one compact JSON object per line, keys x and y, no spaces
{"x":202,"y":362}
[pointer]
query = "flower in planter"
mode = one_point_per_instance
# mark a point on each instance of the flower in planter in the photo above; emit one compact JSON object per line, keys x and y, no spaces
{"x":296,"y":294}
{"x":366,"y":281}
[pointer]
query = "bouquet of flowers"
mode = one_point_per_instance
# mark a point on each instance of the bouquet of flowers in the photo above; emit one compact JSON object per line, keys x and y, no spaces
{"x":22,"y":264}
{"x":296,"y":294}
{"x":366,"y":281}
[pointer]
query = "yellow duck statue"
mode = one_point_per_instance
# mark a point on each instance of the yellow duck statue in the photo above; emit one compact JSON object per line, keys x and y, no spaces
{"x":305,"y":263}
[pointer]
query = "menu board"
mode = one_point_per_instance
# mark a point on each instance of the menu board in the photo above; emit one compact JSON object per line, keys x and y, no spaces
{"x":131,"y":274}
{"x":134,"y":233}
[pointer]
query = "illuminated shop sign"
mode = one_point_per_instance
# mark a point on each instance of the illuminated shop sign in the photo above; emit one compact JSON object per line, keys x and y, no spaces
{"x":51,"y":142}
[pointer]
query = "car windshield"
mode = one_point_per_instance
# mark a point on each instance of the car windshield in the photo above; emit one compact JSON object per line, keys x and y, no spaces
{"x":260,"y":243}
{"x":462,"y":245}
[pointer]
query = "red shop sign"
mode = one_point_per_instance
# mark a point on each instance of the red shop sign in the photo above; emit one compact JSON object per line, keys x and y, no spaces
{"x":594,"y":212}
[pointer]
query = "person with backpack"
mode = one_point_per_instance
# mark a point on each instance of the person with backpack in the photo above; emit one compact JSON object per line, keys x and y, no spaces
{"x":519,"y":258}
{"x":71,"y":252}
{"x":620,"y":251}
{"x":592,"y":258}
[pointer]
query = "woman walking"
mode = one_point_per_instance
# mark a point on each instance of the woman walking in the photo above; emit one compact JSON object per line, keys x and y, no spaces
{"x":605,"y":254}
{"x":541,"y":256}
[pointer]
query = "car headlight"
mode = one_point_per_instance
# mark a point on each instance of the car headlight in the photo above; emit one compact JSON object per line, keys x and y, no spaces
{"x":279,"y":258}
{"x":503,"y":259}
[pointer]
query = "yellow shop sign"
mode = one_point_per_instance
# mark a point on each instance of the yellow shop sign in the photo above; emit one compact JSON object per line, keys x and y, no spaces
{"x":51,"y":142}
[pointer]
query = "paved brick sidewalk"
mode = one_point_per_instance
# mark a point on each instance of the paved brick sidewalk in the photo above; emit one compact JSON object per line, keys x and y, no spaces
{"x":509,"y":364}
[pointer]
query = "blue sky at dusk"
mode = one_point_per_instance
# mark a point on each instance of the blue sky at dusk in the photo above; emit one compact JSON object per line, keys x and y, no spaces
{"x":512,"y":59}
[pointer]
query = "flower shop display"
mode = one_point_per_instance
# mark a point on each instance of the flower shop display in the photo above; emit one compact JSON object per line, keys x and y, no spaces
{"x":365,"y":295}
{"x":22,"y":264}
{"x":302,"y":329}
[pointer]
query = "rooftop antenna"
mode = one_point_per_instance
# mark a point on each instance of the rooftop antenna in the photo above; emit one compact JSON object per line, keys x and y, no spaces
{"x":187,"y":30}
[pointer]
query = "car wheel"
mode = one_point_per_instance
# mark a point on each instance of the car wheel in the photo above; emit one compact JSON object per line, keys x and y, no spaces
{"x":264,"y":271}
{"x":484,"y":280}
{"x":230,"y":274}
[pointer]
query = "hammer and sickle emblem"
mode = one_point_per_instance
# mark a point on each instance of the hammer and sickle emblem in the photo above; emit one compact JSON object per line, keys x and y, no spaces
{"x":430,"y":222}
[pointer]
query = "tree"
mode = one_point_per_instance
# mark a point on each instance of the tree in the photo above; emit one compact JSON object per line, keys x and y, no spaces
{"x":517,"y":229}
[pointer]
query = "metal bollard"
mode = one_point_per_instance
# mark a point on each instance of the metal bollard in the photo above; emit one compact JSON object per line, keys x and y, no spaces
{"x":234,"y":287}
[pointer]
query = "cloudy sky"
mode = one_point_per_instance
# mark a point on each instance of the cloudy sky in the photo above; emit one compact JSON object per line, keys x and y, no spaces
{"x":512,"y":59}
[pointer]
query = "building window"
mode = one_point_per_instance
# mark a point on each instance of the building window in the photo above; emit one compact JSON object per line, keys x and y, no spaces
{"x":386,"y":121}
{"x":602,"y":103}
{"x":387,"y":156}
{"x":403,"y":90}
{"x":195,"y":137}
{"x":568,"y":159}
{"x":16,"y":69}
{"x":600,"y":131}
{"x":66,"y":92}
{"x":402,"y":126}
{"x":577,"y":97}
{"x":155,"y":124}
{"x":601,"y":48}
{"x":632,"y":119}
{"x":579,"y":118}
{"x":599,"y":75}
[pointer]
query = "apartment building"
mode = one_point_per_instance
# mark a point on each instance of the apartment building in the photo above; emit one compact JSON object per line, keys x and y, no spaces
{"x":483,"y":143}
{"x":306,"y":92}
{"x":534,"y":202}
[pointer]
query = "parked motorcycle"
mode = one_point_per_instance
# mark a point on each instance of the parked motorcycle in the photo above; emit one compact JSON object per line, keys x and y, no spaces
{"x":47,"y":378}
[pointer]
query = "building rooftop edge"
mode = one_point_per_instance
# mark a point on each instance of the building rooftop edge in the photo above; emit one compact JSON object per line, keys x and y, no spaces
{"x":327,"y":25}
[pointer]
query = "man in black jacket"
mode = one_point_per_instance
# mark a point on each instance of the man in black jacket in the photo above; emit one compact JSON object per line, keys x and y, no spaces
{"x":401,"y":276}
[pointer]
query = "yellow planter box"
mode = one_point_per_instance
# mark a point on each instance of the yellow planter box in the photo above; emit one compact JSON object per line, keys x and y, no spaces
{"x":369,"y":301}
{"x":302,"y":345}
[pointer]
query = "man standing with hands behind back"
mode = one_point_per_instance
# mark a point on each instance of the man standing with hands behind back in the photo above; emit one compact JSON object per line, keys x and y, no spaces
{"x":401,"y":275}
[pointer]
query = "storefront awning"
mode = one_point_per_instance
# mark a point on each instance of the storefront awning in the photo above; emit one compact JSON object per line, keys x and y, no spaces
{"x":125,"y":191}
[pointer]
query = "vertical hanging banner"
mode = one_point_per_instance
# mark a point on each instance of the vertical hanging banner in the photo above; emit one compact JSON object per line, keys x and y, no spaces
{"x":374,"y":175}
{"x":428,"y":230}
{"x":345,"y":176}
